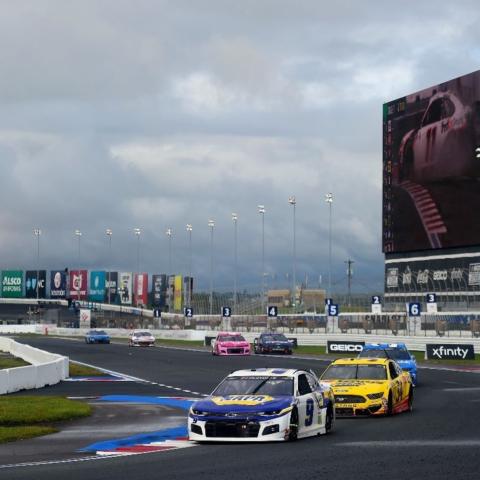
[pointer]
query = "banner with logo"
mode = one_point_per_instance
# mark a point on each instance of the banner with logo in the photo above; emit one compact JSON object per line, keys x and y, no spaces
{"x":125,"y":288}
{"x":12,"y":283}
{"x":78,"y":284}
{"x":58,"y":284}
{"x":141,"y":289}
{"x":339,"y":346}
{"x":187,"y":290}
{"x":111,"y":287}
{"x":450,"y":351}
{"x":169,"y":300}
{"x":97,"y":286}
{"x":159,"y":290}
{"x":35,"y":279}
{"x":177,"y":294}
{"x":85,"y":318}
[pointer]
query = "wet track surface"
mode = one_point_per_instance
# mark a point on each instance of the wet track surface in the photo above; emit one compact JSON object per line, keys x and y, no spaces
{"x":441,"y":438}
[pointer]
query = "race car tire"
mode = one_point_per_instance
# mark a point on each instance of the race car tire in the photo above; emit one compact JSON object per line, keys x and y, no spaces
{"x":293,"y":426}
{"x":410,"y":400}
{"x":390,"y":405}
{"x":329,"y":420}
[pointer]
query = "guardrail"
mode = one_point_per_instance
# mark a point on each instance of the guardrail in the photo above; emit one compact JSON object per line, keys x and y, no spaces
{"x":45,"y":369}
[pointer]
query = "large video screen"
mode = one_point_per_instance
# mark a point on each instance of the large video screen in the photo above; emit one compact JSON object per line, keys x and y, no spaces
{"x":431,"y":173}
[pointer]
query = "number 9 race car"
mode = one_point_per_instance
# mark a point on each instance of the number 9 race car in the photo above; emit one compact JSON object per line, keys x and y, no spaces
{"x":262,"y":405}
{"x":369,"y":386}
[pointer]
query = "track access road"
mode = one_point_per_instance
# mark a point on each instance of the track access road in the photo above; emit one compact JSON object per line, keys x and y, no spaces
{"x":440,"y":439}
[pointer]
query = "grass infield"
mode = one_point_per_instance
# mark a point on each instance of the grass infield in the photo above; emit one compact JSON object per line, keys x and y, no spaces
{"x":12,"y":362}
{"x":28,"y":416}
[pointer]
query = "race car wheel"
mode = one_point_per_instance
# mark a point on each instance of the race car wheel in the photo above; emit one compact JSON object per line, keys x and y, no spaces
{"x":410,"y":400}
{"x":329,"y":420}
{"x":293,"y":426}
{"x":390,"y":405}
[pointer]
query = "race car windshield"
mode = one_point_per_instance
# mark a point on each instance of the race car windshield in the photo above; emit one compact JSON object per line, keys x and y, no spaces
{"x":143,"y":334}
{"x":380,"y":353}
{"x":275,"y":386}
{"x":275,"y":338}
{"x":231,"y":338}
{"x":99,"y":332}
{"x":355,"y":372}
{"x":397,"y":354}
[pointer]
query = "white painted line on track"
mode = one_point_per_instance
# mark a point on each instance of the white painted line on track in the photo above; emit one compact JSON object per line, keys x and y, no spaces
{"x":462,"y":389}
{"x":68,"y":460}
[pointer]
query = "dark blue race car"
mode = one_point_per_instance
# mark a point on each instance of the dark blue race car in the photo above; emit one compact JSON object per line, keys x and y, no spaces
{"x":395,"y":351}
{"x":273,"y":343}
{"x":97,"y":336}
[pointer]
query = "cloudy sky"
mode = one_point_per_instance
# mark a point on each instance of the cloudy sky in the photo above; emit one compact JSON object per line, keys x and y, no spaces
{"x":154,"y":114}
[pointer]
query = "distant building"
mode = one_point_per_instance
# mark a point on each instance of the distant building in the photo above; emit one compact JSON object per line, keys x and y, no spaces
{"x":313,"y":300}
{"x":278,"y":298}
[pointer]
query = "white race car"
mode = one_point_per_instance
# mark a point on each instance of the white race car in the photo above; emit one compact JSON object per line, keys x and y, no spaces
{"x":263,"y":405}
{"x":141,"y":338}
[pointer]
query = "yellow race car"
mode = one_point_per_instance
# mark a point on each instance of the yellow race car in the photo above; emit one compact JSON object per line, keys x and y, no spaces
{"x":369,"y":386}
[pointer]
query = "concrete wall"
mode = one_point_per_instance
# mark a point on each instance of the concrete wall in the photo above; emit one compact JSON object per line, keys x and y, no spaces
{"x":45,"y":369}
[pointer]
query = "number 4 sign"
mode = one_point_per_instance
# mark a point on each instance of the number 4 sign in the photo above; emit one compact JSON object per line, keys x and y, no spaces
{"x":272,"y":311}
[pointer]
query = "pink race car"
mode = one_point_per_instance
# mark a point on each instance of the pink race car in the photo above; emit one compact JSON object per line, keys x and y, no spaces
{"x":230,"y":343}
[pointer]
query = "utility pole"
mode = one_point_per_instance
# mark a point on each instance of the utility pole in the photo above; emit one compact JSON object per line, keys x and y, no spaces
{"x":349,"y":279}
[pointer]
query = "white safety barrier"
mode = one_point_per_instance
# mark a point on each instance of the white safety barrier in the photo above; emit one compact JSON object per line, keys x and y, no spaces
{"x":45,"y":369}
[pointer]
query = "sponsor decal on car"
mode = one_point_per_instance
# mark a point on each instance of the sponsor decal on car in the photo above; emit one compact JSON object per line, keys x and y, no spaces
{"x":242,"y":400}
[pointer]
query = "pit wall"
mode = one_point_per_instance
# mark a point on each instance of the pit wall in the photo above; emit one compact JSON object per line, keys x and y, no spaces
{"x":413,"y":343}
{"x":45,"y":369}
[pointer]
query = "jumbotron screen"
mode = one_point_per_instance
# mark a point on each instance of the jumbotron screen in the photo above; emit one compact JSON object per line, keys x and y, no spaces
{"x":431,"y":172}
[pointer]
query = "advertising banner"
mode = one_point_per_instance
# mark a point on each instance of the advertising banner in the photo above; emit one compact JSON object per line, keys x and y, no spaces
{"x":12,"y":283}
{"x":58,"y":284}
{"x":78,"y":284}
{"x":35,"y":279}
{"x":141,"y":289}
{"x":187,"y":290}
{"x":159,"y":290}
{"x":125,"y":288}
{"x":430,"y":170}
{"x":170,"y":293}
{"x":85,"y":318}
{"x":339,"y":346}
{"x":97,"y":286}
{"x":177,"y":294}
{"x":111,"y":287}
{"x":450,"y":351}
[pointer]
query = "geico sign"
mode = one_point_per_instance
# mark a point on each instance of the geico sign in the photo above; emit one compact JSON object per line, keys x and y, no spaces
{"x":12,"y":281}
{"x":344,"y":347}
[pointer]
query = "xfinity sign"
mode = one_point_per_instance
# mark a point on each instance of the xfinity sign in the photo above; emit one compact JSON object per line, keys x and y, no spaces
{"x":344,"y":347}
{"x":450,"y":351}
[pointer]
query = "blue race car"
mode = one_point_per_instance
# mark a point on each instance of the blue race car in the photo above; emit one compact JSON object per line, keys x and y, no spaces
{"x":272,"y":343}
{"x":97,"y":336}
{"x":395,"y":351}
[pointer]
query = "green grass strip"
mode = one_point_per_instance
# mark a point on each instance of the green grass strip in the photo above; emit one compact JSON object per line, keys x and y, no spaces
{"x":31,"y":410}
{"x":12,"y":434}
{"x":76,"y":370}
{"x":12,"y":362}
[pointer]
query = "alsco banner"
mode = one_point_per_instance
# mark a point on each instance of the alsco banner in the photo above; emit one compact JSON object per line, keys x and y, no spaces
{"x":111,"y":287}
{"x":97,"y":286}
{"x":78,"y":284}
{"x":125,"y":288}
{"x":12,"y":283}
{"x":58,"y":284}
{"x":141,"y":289}
{"x":35,"y":280}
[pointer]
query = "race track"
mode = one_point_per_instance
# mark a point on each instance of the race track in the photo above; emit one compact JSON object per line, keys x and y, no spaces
{"x":439,"y":439}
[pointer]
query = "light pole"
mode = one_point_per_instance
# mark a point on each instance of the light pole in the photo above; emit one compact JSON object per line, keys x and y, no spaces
{"x":138,"y":232}
{"x":189,"y":231}
{"x":109,"y":234}
{"x":37,"y":232}
{"x":261,"y":211}
{"x":292,"y":201}
{"x":78,"y":233}
{"x":211,"y":224}
{"x":169,"y":234}
{"x":349,"y":280}
{"x":235,"y":259}
{"x":329,"y":201}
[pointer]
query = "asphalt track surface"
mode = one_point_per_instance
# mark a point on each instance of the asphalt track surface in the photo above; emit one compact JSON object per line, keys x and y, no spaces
{"x":440,"y":439}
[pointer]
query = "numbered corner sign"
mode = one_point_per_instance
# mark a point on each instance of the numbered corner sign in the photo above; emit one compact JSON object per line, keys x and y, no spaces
{"x":328,"y":301}
{"x":376,"y":300}
{"x":333,"y":310}
{"x":431,"y":298}
{"x":272,"y":311}
{"x":414,"y":309}
{"x":188,"y":312}
{"x":226,"y":312}
{"x":157,"y":313}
